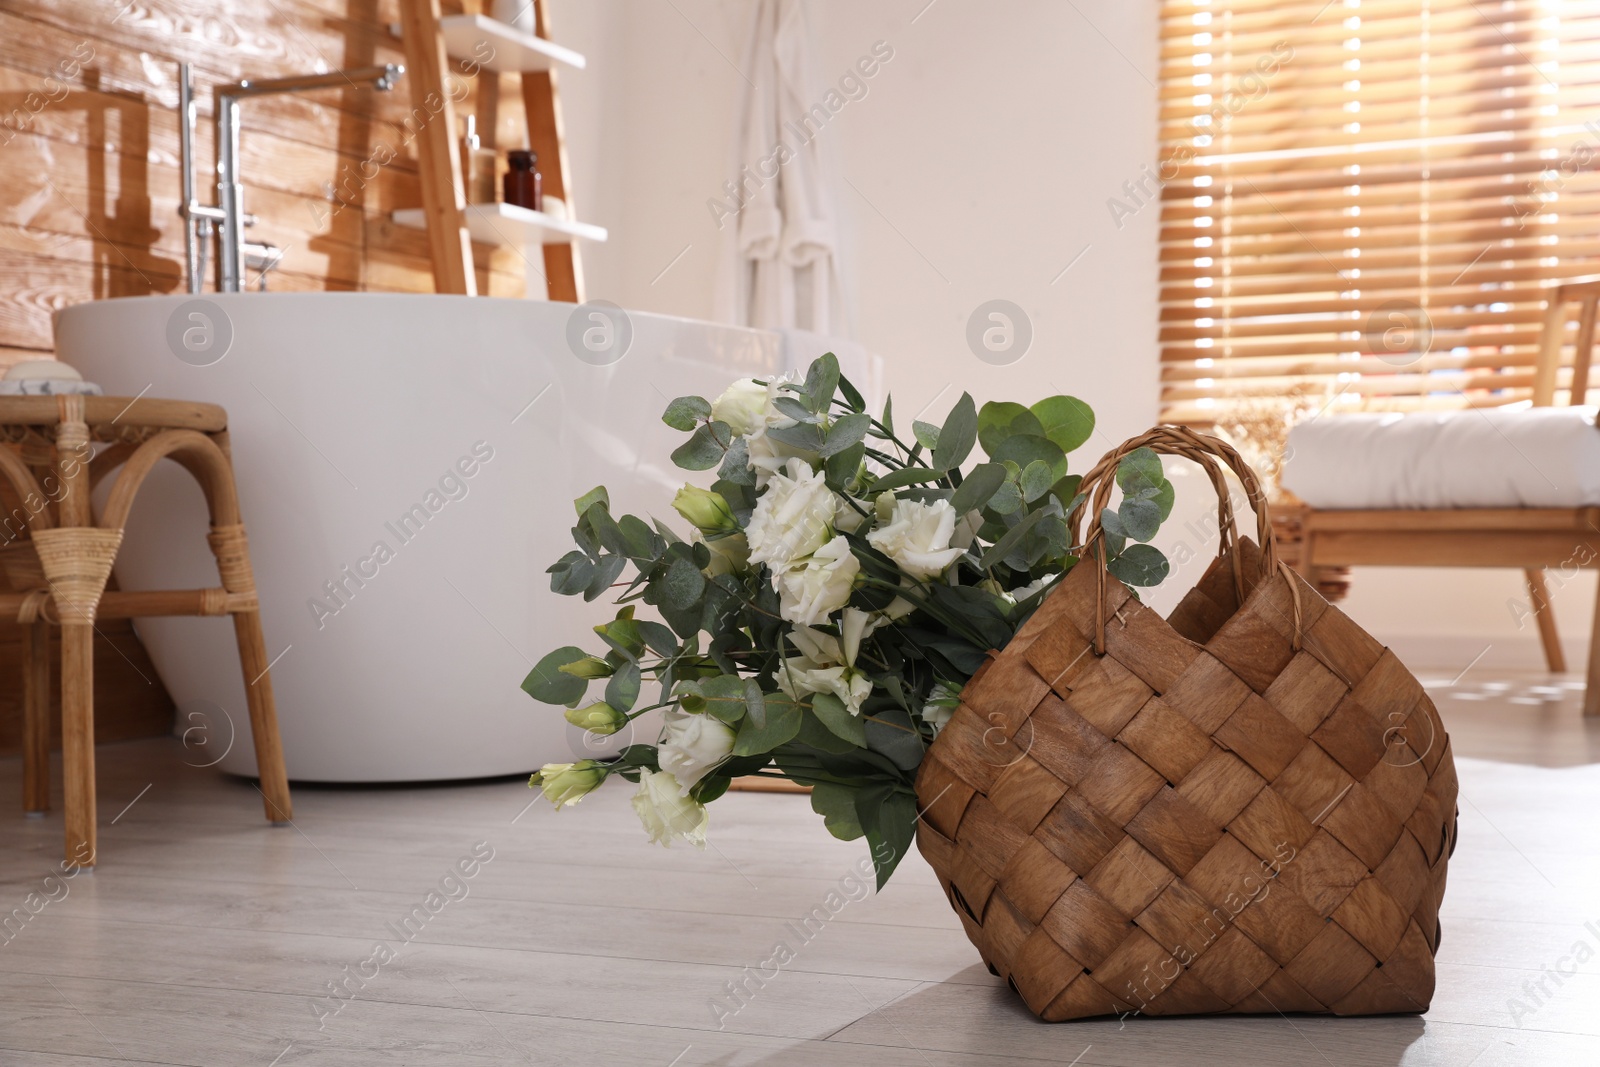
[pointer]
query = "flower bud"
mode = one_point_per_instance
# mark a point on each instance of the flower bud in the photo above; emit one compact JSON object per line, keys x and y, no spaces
{"x":588,"y":667}
{"x":598,"y":718}
{"x":705,"y":510}
{"x":564,"y":784}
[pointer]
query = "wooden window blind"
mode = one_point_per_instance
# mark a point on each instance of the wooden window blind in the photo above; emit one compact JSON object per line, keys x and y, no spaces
{"x":1362,"y":201}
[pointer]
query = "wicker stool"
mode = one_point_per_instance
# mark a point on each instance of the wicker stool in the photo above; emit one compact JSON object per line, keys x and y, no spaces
{"x":59,"y":573}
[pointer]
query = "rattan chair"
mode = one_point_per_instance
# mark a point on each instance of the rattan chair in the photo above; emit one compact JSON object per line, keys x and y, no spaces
{"x":58,"y":559}
{"x":1322,"y":543}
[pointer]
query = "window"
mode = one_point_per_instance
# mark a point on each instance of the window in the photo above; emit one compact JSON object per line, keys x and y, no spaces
{"x":1362,"y":202}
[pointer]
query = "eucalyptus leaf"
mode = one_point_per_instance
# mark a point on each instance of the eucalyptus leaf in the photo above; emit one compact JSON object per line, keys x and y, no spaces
{"x":958,"y":435}
{"x":1140,"y":469}
{"x":1116,"y":537}
{"x":724,"y":696}
{"x":998,"y":420}
{"x":852,"y":395}
{"x":1139,"y":518}
{"x":794,"y":409}
{"x":926,"y":433}
{"x":837,"y":718}
{"x":890,"y":732}
{"x":1140,"y":565}
{"x":660,"y":639}
{"x":841,"y":468}
{"x":806,"y":436}
{"x":686,"y":412}
{"x":888,"y":817}
{"x":977,"y":487}
{"x":1036,"y":480}
{"x":682,"y":586}
{"x":1067,"y":420}
{"x":837,"y":806}
{"x":622,"y":691}
{"x":815,"y":735}
{"x":736,"y":464}
{"x":548,"y":684}
{"x":597,"y":495}
{"x":1013,"y":536}
{"x":1022,"y":449}
{"x":822,"y":381}
{"x":905,"y":476}
{"x":845,"y":433}
{"x":1164,"y":497}
{"x":605,"y":573}
{"x":1006,"y":499}
{"x":782,"y":724}
{"x":705,"y":447}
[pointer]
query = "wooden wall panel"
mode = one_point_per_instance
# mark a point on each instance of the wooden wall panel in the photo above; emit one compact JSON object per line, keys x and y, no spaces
{"x":90,"y":185}
{"x":89,"y":159}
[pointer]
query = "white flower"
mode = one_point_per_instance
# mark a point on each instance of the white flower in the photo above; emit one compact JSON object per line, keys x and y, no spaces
{"x":692,"y":744}
{"x":940,"y":707}
{"x":766,"y":456}
{"x":917,"y":537}
{"x":743,"y":406}
{"x":793,"y":518}
{"x":826,"y":664}
{"x":1023,"y":592}
{"x":809,"y":593}
{"x":666,"y":813}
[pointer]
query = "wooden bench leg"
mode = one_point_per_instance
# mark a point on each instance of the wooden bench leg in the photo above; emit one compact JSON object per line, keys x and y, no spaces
{"x":1539,"y":598}
{"x":36,"y":718}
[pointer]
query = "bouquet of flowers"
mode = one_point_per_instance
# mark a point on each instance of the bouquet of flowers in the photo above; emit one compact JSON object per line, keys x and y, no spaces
{"x":837,"y":587}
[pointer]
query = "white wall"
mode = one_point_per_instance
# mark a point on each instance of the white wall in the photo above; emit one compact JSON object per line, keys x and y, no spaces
{"x":977,"y":167}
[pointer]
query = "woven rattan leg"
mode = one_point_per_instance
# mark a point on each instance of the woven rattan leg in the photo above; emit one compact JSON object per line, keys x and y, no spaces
{"x":230,"y":546}
{"x":36,"y":718}
{"x":1539,"y":599}
{"x":77,"y":561}
{"x":263,"y":716}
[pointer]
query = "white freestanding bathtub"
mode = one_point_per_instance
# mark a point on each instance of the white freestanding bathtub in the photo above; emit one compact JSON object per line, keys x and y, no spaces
{"x":355,"y":421}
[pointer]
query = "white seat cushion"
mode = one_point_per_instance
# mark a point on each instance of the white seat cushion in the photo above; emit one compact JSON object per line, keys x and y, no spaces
{"x":1482,"y":458}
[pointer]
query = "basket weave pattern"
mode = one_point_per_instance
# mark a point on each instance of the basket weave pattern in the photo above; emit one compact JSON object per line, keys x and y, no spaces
{"x":1247,"y":807}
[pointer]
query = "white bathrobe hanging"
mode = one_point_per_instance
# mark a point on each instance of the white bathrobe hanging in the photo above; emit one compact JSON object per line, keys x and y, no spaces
{"x":778,"y":263}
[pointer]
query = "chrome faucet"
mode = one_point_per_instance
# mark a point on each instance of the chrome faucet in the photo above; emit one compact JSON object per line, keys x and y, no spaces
{"x":227,"y":218}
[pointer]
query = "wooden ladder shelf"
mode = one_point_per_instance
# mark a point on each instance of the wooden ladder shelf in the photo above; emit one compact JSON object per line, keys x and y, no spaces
{"x":449,"y":221}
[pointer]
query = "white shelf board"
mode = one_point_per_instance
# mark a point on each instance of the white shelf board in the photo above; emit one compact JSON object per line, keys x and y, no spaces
{"x":514,"y":51}
{"x":507,"y":224}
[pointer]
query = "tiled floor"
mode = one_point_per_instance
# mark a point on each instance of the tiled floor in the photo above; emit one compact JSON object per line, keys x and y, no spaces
{"x":208,"y":938}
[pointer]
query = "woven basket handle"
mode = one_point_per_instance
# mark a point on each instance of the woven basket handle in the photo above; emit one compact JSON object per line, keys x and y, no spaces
{"x":1206,"y":451}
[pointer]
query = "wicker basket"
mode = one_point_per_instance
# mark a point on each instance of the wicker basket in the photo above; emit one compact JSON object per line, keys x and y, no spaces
{"x":1246,"y":807}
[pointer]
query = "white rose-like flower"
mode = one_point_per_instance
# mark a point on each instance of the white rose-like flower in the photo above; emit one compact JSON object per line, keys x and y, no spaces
{"x":809,"y":593}
{"x":666,"y":813}
{"x":793,"y":518}
{"x":826,"y":664}
{"x":941,"y":706}
{"x":743,"y":406}
{"x":692,"y":745}
{"x":1023,"y":592}
{"x":917,"y":537}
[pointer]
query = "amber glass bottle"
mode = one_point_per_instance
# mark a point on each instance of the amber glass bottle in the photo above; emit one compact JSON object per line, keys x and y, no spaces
{"x":522,"y":180}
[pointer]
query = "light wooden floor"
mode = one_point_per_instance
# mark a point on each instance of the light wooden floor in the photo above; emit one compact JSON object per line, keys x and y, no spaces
{"x":206,"y":937}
